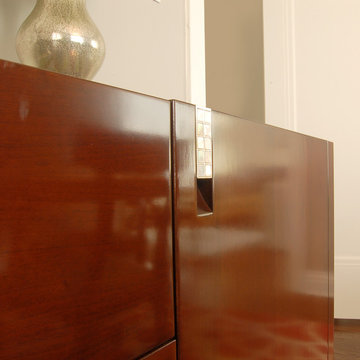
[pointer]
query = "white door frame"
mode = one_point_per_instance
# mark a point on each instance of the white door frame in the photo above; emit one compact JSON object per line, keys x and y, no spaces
{"x":195,"y":52}
{"x":280,"y":63}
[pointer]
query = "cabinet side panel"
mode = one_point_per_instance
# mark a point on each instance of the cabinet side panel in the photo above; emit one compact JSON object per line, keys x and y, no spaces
{"x":85,"y":219}
{"x":253,"y":277}
{"x":331,"y":249}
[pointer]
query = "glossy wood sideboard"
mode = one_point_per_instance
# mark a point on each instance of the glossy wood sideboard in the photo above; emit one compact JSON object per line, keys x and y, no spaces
{"x":85,"y":219}
{"x":104,"y":253}
{"x":255,"y":276}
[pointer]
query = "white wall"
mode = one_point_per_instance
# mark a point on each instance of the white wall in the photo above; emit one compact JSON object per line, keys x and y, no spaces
{"x":312,"y":85}
{"x":145,"y":42}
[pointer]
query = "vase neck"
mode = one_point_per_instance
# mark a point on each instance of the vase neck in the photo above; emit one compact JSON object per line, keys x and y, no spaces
{"x":68,"y":3}
{"x":61,"y":7}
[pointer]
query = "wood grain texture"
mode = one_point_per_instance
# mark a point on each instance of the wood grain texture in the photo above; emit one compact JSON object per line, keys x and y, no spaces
{"x":253,"y":278}
{"x":167,"y":352}
{"x":85,"y":219}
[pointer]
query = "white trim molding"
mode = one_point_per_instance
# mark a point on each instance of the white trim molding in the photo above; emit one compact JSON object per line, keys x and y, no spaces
{"x":347,"y":287}
{"x":280,"y":63}
{"x":195,"y":52}
{"x":347,"y":261}
{"x":290,"y":56}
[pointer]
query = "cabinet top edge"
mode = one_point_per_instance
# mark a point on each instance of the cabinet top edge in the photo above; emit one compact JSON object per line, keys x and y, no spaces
{"x":6,"y":64}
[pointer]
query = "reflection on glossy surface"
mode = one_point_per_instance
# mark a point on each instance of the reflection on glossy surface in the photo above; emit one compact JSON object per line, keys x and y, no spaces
{"x":85,"y":247}
{"x":167,"y":352}
{"x":253,"y":277}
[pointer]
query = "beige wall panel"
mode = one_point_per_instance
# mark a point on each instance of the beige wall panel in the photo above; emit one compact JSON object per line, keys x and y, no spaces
{"x":235,"y":57}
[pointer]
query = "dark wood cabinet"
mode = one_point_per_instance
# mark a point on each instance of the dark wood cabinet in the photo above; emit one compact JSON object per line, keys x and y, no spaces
{"x":103,"y":251}
{"x":85,"y":219}
{"x":253,"y":277}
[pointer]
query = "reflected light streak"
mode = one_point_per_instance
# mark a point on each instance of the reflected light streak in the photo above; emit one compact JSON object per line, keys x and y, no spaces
{"x":56,"y":36}
{"x":235,"y":240}
{"x":94,"y":44}
{"x":77,"y":38}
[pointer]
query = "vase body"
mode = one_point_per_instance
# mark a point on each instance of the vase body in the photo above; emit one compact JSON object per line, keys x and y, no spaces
{"x":60,"y":36}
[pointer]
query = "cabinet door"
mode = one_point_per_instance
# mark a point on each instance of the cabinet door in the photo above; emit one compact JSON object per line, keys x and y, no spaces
{"x":253,"y":272}
{"x":85,"y":219}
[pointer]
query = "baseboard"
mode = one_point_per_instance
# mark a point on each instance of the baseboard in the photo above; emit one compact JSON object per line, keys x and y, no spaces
{"x":347,"y":261}
{"x":347,"y":290}
{"x":347,"y":322}
{"x":347,"y":325}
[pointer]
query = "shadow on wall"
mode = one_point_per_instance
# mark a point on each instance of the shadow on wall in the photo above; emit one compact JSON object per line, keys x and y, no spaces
{"x":12,"y":15}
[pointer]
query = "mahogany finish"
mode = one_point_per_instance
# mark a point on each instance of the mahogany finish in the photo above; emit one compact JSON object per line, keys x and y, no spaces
{"x":167,"y":352}
{"x":85,"y":219}
{"x":253,"y":278}
{"x":85,"y":230}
